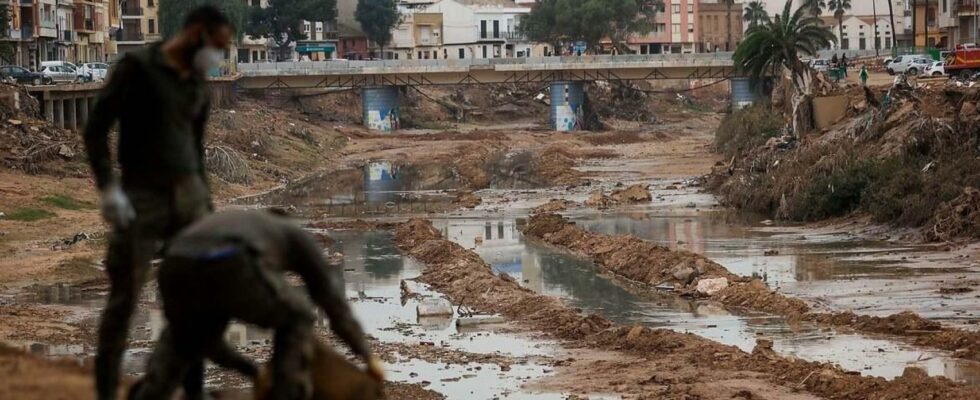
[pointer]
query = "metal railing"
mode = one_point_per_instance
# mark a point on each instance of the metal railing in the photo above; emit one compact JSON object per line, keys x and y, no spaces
{"x":130,"y":36}
{"x":499,"y":35}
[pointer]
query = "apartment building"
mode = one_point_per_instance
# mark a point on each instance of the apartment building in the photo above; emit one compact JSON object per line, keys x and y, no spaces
{"x":675,"y":30}
{"x":140,"y":24}
{"x":960,"y":20}
{"x":714,"y":19}
{"x":69,"y":30}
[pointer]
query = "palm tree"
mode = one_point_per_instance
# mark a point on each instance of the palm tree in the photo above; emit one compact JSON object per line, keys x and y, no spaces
{"x":779,"y":42}
{"x":839,"y":7}
{"x":891,"y":14}
{"x":815,"y":7}
{"x":755,"y":14}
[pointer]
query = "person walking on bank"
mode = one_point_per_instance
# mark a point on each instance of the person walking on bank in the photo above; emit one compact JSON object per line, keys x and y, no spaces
{"x":159,"y":97}
{"x":864,"y":75}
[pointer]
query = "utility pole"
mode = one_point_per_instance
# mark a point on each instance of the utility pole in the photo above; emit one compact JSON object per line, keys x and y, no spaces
{"x":925,"y":29}
{"x":874,"y":11}
{"x":914,"y":26}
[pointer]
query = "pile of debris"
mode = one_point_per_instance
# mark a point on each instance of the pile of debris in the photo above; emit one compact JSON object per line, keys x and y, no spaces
{"x":30,"y":144}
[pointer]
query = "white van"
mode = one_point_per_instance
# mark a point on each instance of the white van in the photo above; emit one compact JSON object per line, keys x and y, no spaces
{"x":913,"y":64}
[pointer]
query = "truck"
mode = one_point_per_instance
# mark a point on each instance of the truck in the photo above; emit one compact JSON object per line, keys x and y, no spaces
{"x":963,"y":61}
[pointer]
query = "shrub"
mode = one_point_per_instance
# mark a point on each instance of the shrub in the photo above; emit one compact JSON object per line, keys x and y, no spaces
{"x":28,"y":214}
{"x":748,"y":128}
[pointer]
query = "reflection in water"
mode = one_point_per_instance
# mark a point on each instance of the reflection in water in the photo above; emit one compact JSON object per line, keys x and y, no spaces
{"x":577,"y":281}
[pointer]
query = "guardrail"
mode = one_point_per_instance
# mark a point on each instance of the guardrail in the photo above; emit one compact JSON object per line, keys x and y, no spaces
{"x":451,"y":65}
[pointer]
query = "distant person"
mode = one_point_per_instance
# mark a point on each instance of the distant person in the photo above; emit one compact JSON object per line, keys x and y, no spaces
{"x":843,"y":64}
{"x":864,"y":75}
{"x":233,"y":265}
{"x":160,"y":99}
{"x":834,"y":60}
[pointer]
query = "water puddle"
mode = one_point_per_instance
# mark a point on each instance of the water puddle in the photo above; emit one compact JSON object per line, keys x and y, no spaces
{"x":551,"y":272}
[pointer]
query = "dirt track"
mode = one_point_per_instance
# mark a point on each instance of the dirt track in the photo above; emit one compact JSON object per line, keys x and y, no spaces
{"x":702,"y":363}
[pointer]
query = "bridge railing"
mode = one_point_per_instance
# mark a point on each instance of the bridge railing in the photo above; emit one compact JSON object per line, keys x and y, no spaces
{"x":455,"y":65}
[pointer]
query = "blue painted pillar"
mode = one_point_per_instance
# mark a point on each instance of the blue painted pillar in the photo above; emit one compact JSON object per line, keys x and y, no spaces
{"x":566,"y":106}
{"x":381,"y":108}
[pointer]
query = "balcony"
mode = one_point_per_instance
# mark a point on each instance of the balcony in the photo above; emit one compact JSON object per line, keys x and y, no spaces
{"x":129,"y":36}
{"x":499,"y":36}
{"x":131,"y":11}
{"x":66,"y":36}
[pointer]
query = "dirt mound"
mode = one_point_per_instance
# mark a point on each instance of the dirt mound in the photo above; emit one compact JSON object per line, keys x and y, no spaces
{"x":634,"y":194}
{"x":958,"y":218}
{"x":657,"y":266}
{"x":466,"y":279}
{"x":31,"y":378}
{"x":352,"y":225}
{"x":467,"y":199}
{"x":553,"y":206}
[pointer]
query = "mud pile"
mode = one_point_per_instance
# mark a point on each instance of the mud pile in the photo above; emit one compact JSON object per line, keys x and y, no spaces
{"x":686,"y":273}
{"x":553,"y":206}
{"x":634,"y":194}
{"x":907,"y":161}
{"x":467,"y":280}
{"x":467,"y":199}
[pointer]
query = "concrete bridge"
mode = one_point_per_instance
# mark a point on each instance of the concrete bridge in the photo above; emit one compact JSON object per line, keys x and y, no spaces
{"x":357,"y":74}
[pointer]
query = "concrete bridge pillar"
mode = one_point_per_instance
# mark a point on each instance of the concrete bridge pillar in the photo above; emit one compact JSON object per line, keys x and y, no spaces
{"x":381,"y":108}
{"x":71,"y":120}
{"x":49,"y":110}
{"x":82,"y":112}
{"x":566,"y":105}
{"x":59,"y":113}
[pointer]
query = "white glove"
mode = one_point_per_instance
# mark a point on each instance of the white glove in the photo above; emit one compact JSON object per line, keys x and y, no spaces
{"x":116,"y":208}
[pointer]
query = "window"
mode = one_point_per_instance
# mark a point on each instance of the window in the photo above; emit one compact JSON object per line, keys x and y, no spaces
{"x":484,"y":51}
{"x":690,"y":27}
{"x":462,"y":54}
{"x":149,"y":3}
{"x":151,"y":26}
{"x":676,"y":8}
{"x":660,"y":28}
{"x":690,"y":8}
{"x":496,"y":29}
{"x":483,"y":29}
{"x":675,"y":28}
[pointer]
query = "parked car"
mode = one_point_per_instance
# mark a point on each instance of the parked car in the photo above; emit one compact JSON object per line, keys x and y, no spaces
{"x":79,"y":75}
{"x":23,"y":75}
{"x":937,"y":68}
{"x":59,"y":73}
{"x":820,"y":65}
{"x":97,"y":71}
{"x":912,"y":64}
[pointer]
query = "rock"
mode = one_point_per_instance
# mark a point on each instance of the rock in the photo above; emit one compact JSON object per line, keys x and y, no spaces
{"x":15,"y":122}
{"x":434,"y":307}
{"x":684,"y":274}
{"x":915,"y":373}
{"x":762,"y":344}
{"x":711,"y":286}
{"x":701,"y":266}
{"x":968,"y":109}
{"x":634,"y":333}
{"x":66,"y":151}
{"x":597,"y":199}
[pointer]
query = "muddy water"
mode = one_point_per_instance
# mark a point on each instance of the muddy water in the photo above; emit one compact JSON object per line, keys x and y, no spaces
{"x":373,"y":270}
{"x":551,"y":272}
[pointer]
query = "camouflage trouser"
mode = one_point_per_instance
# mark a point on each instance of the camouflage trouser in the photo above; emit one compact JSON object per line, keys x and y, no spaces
{"x":201,"y":295}
{"x":161,"y":211}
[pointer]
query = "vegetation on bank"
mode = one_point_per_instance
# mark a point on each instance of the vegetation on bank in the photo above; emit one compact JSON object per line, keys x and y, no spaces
{"x":910,"y":171}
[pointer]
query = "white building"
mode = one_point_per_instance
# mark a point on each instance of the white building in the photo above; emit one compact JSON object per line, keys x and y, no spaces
{"x":865,"y":11}
{"x":858,"y":33}
{"x":461,"y":29}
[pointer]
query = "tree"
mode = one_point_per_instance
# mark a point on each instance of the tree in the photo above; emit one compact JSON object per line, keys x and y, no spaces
{"x":7,"y":51}
{"x":839,"y":7}
{"x":779,"y":43}
{"x":591,"y":21}
{"x":891,"y":14}
{"x":814,"y":7}
{"x":377,"y":19}
{"x":282,"y":20}
{"x":172,"y":13}
{"x":755,"y":14}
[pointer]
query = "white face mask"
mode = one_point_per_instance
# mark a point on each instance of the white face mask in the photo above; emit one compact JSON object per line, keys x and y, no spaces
{"x":208,"y":58}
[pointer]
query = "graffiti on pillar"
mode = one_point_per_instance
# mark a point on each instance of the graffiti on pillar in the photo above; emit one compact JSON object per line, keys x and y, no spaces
{"x":568,"y":117}
{"x":383,"y":120}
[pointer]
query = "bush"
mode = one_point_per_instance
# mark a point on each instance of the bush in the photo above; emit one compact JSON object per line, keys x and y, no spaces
{"x":748,"y":128}
{"x":28,"y":214}
{"x":836,"y":194}
{"x":67,"y":202}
